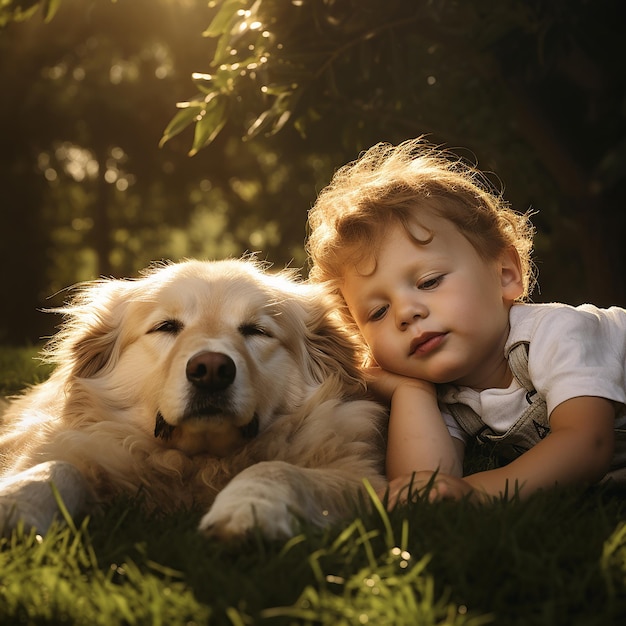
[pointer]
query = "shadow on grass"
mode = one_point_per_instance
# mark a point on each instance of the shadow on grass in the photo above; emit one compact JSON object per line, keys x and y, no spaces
{"x":558,"y":558}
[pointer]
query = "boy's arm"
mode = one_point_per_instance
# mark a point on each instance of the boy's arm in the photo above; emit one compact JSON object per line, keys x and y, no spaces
{"x":418,"y":438}
{"x":577,"y":451}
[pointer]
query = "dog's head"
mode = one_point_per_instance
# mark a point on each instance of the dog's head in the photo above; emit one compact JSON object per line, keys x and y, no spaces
{"x":205,"y":354}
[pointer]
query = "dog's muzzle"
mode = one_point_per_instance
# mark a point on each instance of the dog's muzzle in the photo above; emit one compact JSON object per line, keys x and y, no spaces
{"x":210,"y":373}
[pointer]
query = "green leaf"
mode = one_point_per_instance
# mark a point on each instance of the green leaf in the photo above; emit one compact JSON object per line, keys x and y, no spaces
{"x":204,"y":82}
{"x":210,"y":124}
{"x":180,"y":121}
{"x":225,"y":25}
{"x":273,"y":119}
{"x":261,"y":122}
{"x":50,"y":7}
{"x":223,"y":20}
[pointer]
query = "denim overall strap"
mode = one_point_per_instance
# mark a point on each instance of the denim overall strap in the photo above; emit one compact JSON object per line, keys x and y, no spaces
{"x":527,"y":431}
{"x":518,"y":362}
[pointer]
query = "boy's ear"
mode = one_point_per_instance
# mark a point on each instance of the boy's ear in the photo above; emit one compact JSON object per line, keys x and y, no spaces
{"x":511,"y":275}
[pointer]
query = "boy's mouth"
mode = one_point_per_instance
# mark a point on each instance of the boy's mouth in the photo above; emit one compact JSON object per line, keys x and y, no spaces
{"x":426,"y":343}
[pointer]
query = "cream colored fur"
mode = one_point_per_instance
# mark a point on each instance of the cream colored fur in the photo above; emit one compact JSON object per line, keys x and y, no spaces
{"x":122,"y":358}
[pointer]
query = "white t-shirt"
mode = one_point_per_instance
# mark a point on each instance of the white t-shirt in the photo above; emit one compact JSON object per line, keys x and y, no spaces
{"x":573,"y":351}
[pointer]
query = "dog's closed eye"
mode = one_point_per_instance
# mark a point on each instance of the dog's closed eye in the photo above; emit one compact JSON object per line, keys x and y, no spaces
{"x":167,"y":326}
{"x":249,"y":330}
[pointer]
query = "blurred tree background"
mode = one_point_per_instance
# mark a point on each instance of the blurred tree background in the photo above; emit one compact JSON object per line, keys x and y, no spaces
{"x":274,"y":97}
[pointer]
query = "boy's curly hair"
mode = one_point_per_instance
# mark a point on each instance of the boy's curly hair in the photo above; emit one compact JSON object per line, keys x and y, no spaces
{"x":395,"y":184}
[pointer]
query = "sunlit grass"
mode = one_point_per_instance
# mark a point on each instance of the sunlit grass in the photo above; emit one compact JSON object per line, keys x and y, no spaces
{"x":556,"y":560}
{"x":58,"y":579}
{"x":391,"y":588}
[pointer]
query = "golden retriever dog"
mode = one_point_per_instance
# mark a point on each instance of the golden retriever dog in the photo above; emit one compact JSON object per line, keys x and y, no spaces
{"x":210,"y":384}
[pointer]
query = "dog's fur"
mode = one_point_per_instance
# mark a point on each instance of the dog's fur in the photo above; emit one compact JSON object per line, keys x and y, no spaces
{"x":201,"y":384}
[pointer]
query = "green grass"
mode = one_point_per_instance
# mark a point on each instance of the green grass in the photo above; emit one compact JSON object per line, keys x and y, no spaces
{"x":558,"y":558}
{"x":20,"y":367}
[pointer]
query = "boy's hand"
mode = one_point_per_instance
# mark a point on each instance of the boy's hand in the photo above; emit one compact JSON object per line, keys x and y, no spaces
{"x":384,"y":383}
{"x":442,"y":487}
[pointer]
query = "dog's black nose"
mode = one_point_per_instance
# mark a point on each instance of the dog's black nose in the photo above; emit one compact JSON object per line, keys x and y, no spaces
{"x":211,"y":371}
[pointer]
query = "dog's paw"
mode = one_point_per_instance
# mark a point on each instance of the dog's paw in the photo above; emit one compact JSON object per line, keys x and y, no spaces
{"x":30,"y":516}
{"x":28,"y":497}
{"x":230,"y":518}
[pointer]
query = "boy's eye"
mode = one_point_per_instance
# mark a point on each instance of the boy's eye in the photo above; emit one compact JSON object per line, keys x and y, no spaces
{"x":430,"y":283}
{"x":378,"y":314}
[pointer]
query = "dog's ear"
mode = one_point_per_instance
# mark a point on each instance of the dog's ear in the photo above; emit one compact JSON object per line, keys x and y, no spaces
{"x":91,"y":334}
{"x":333,"y":351}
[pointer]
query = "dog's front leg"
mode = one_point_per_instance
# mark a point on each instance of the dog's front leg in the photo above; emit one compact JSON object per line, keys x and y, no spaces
{"x":274,"y":496}
{"x":29,"y":497}
{"x":260,"y":496}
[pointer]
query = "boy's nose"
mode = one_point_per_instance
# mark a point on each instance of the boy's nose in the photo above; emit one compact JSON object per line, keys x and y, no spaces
{"x":409,"y":312}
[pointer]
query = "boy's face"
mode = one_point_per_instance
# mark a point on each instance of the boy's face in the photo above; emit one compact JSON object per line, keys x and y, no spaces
{"x":435,"y":311}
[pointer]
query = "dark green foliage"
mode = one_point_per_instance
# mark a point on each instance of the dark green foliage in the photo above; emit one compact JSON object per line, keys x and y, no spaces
{"x":280,"y":94}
